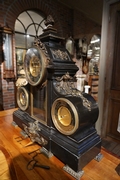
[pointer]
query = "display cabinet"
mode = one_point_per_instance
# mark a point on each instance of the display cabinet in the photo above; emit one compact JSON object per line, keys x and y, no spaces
{"x":7,"y":44}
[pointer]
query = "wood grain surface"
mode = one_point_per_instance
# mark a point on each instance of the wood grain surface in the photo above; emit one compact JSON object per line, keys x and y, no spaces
{"x":18,"y":154}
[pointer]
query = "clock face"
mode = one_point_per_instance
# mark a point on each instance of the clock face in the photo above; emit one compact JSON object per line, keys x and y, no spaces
{"x":34,"y":66}
{"x":64,"y":116}
{"x":22,"y":98}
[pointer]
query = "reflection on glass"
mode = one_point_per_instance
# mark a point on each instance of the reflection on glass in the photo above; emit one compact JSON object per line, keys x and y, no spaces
{"x":20,"y":54}
{"x":39,"y":103}
{"x":30,"y":41}
{"x":7,"y":49}
{"x":20,"y":40}
{"x":94,"y":55}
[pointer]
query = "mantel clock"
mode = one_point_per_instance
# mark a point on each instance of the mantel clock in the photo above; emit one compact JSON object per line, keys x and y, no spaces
{"x":52,"y":111}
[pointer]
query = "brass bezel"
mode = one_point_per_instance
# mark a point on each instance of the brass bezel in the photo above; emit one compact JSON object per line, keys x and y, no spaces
{"x":22,"y":107}
{"x":65,"y":127}
{"x":40,"y":76}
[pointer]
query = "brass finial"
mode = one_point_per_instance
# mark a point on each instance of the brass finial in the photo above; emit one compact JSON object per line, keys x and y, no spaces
{"x":49,"y":21}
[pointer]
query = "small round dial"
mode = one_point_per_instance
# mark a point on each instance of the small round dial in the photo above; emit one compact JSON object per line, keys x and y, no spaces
{"x":64,"y":116}
{"x":22,"y":98}
{"x":34,"y":66}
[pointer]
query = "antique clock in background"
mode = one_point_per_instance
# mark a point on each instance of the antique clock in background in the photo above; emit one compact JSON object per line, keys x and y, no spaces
{"x":52,"y":112}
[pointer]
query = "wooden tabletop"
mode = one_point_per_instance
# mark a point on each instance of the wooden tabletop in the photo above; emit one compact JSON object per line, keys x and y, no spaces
{"x":18,"y":154}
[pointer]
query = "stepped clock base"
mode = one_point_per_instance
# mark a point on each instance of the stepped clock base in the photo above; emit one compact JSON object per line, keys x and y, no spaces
{"x":75,"y":151}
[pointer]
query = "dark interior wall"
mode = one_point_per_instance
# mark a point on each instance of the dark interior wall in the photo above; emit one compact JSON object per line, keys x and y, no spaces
{"x":67,"y":22}
{"x":12,"y":8}
{"x":84,"y":27}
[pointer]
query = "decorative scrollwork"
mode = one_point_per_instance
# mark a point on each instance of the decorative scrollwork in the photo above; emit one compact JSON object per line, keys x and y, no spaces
{"x":66,"y":86}
{"x":32,"y":131}
{"x":21,"y":82}
{"x":86,"y":103}
{"x":58,"y":54}
{"x":41,"y":45}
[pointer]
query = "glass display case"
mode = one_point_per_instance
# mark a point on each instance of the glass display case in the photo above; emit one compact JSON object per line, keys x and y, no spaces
{"x":7,"y":43}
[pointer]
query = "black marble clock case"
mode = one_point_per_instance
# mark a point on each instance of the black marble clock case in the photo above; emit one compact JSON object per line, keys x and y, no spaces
{"x":76,"y":149}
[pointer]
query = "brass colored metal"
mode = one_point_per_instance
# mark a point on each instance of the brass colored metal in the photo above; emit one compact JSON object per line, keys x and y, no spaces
{"x":58,"y":54}
{"x":32,"y":132}
{"x":65,"y":85}
{"x":39,"y":44}
{"x":65,"y":116}
{"x":22,"y":98}
{"x":35,"y":66}
{"x":21,"y":82}
{"x":35,"y":63}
